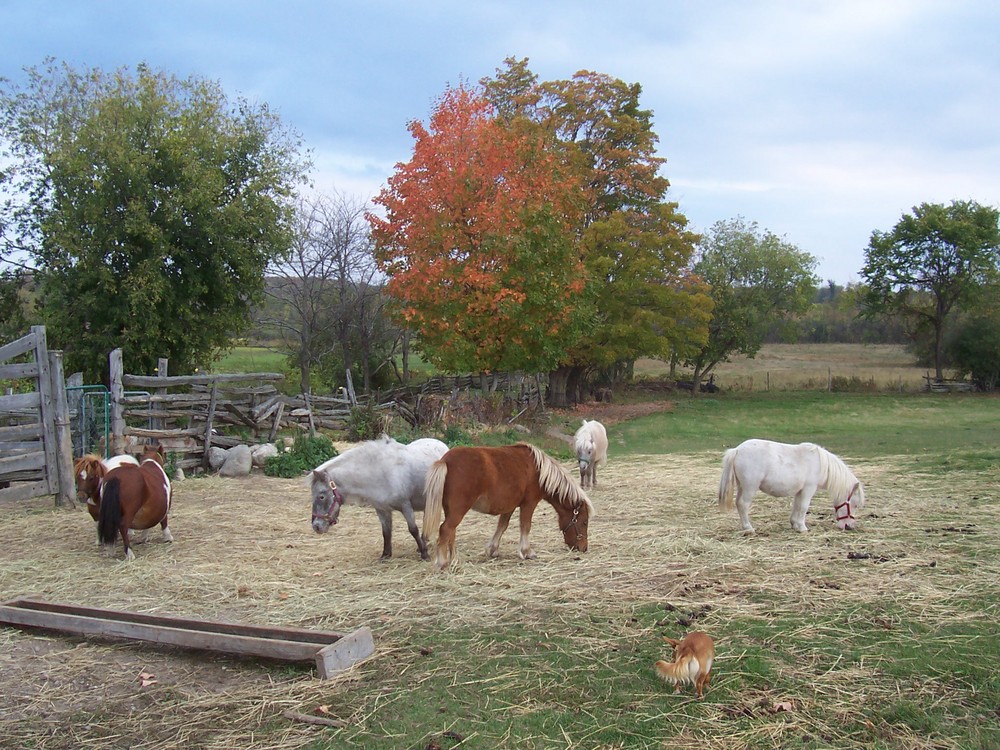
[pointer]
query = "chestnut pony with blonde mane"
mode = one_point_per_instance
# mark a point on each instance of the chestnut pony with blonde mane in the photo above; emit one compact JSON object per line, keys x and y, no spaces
{"x":134,"y":497}
{"x":498,"y":481}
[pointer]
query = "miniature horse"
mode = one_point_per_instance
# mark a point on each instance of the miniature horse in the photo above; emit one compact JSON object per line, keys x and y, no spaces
{"x":134,"y":497}
{"x":783,"y":470}
{"x":591,"y":444}
{"x":90,"y":470}
{"x":498,"y":481}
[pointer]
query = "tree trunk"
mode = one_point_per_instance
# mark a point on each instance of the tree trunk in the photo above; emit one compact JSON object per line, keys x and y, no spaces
{"x":405,"y":356}
{"x":557,"y":387}
{"x":574,"y":385}
{"x":564,"y":386}
{"x":696,"y":379}
{"x":938,"y":349}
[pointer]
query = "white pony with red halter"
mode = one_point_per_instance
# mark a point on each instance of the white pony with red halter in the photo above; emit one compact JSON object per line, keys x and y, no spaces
{"x":783,"y":470}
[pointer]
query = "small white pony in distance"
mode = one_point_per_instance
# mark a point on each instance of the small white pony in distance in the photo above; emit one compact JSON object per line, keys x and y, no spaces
{"x":591,"y":450}
{"x":783,"y":470}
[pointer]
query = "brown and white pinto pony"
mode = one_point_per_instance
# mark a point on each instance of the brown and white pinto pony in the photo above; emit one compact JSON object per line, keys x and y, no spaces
{"x":90,"y":470}
{"x":134,"y":497}
{"x":498,"y":481}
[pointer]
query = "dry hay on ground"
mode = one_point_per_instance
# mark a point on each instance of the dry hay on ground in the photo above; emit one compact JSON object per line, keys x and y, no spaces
{"x":244,"y":552}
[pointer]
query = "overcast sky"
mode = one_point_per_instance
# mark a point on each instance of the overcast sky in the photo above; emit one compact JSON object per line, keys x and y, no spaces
{"x":821,"y":120}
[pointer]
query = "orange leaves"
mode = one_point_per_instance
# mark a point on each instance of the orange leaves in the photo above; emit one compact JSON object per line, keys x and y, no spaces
{"x":478,"y":238}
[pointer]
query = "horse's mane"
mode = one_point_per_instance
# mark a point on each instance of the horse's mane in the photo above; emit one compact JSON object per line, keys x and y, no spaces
{"x":840,"y":480}
{"x":583,"y":436}
{"x":87,"y":458}
{"x":557,"y":483}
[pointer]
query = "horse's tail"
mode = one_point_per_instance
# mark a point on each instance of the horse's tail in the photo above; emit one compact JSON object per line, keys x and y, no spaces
{"x":434,"y":494}
{"x":727,"y":483}
{"x":110,"y":516}
{"x":556,"y":482}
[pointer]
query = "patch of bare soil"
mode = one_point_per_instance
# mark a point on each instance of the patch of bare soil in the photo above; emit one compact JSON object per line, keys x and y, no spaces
{"x":612,"y":413}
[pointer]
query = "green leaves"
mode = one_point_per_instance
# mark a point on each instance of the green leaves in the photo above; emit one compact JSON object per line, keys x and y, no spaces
{"x":159,"y":204}
{"x":755,"y":277}
{"x":934,"y":260}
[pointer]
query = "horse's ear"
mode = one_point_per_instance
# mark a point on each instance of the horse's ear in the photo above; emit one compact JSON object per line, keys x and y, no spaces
{"x":318,"y":476}
{"x":671,"y":641}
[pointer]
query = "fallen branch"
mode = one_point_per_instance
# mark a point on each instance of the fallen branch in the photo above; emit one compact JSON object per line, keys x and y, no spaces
{"x":319,"y":720}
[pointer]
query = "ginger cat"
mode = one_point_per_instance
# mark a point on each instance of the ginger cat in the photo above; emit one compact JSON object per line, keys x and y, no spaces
{"x":693,"y":656}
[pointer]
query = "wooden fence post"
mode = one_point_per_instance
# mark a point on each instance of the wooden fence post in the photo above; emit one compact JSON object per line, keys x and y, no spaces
{"x":63,"y":433}
{"x":161,"y":372}
{"x":117,"y":397}
{"x":46,"y":409}
{"x":209,"y":418}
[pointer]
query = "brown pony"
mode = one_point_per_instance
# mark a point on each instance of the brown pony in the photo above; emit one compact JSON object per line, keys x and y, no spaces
{"x":498,"y":481}
{"x":90,"y":470}
{"x":134,"y":497}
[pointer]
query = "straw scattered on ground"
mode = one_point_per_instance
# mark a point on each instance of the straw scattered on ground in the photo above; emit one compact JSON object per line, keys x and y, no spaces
{"x":245,"y":552}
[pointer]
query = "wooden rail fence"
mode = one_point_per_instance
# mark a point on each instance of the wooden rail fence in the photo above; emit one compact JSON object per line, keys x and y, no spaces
{"x":36,"y":451}
{"x":190,"y":414}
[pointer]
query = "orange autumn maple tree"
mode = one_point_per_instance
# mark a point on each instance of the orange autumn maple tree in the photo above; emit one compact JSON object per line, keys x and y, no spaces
{"x":478,"y":240}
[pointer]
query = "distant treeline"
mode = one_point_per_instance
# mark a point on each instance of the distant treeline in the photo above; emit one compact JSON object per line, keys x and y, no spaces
{"x":835,"y":318}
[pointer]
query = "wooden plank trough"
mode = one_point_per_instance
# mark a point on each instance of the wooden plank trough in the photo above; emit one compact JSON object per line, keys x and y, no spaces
{"x":332,"y":652}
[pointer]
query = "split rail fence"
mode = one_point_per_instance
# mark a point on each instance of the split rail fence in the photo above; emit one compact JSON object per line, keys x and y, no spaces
{"x":190,"y":414}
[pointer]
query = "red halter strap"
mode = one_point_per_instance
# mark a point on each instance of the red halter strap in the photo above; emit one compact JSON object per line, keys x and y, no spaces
{"x":338,"y":500}
{"x":845,"y":504}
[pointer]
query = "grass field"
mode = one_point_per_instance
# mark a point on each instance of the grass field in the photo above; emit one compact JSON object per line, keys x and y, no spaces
{"x":884,"y":638}
{"x":776,"y":367}
{"x":251,"y":359}
{"x":783,"y":367}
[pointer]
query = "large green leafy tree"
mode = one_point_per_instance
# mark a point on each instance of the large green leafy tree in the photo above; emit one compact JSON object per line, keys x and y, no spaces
{"x":13,"y":323}
{"x":975,"y":347}
{"x":756,"y":278}
{"x":935,"y":260}
{"x":151,"y":206}
{"x":634,"y":242}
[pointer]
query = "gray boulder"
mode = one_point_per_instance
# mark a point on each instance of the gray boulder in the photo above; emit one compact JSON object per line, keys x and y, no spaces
{"x":238,"y":462}
{"x":260,"y":453}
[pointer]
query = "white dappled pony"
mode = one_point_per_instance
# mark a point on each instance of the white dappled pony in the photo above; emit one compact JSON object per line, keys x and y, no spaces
{"x":383,"y":474}
{"x":591,"y":442}
{"x":783,"y":470}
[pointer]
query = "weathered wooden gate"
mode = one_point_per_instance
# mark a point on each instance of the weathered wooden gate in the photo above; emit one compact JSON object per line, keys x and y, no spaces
{"x":36,"y":449}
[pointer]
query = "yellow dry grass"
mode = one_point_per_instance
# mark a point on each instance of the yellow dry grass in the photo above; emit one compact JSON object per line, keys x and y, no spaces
{"x":244,"y":552}
{"x":779,"y":367}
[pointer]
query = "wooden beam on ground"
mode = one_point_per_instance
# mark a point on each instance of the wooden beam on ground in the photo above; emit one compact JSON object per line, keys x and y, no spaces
{"x":332,"y":652}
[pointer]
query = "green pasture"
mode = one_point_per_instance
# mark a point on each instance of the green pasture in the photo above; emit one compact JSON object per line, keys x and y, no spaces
{"x":934,"y":426}
{"x":251,"y":359}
